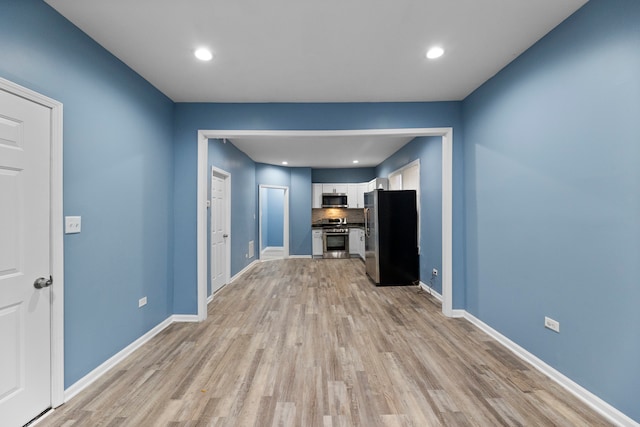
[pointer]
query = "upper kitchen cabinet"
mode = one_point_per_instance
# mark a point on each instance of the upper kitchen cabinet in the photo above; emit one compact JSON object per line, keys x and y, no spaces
{"x":354,"y":191}
{"x":352,"y":195}
{"x":334,"y":188}
{"x":355,"y":195}
{"x":362,"y":188}
{"x":378,"y":183}
{"x":316,"y":195}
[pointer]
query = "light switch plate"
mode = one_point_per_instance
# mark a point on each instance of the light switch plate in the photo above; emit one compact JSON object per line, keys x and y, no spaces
{"x":72,"y":224}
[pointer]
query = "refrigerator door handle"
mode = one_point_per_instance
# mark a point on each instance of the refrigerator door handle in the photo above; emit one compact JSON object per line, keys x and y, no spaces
{"x":366,"y":222}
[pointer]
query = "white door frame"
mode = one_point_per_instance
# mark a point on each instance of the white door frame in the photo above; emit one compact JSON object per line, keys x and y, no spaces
{"x":226,"y":176}
{"x":447,"y":195}
{"x":285,"y":231}
{"x":56,"y":238}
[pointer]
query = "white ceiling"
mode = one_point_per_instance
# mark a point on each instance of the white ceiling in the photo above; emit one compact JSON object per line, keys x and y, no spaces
{"x":322,"y":149}
{"x":316,"y":51}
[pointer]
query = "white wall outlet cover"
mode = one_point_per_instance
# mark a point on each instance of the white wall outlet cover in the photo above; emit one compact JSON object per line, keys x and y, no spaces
{"x":554,"y":325}
{"x":72,"y":224}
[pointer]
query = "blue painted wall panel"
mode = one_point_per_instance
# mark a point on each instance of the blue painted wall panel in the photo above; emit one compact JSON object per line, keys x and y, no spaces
{"x":429,"y":151}
{"x":349,"y":175}
{"x":300,"y":212}
{"x":553,"y":207}
{"x":275,"y":219}
{"x":118,"y":173}
{"x":264,"y":231}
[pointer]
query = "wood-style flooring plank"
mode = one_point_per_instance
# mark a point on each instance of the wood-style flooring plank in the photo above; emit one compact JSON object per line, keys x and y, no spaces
{"x":309,"y":343}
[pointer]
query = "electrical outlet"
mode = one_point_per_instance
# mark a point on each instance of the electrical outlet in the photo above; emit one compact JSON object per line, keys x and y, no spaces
{"x":72,"y":224}
{"x":434,"y":272}
{"x":142,"y":302}
{"x":554,"y":325}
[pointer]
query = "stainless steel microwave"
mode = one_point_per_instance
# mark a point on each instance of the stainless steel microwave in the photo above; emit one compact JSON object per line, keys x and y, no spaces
{"x":334,"y":200}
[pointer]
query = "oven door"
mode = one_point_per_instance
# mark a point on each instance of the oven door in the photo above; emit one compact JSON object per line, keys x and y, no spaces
{"x":335,"y":245}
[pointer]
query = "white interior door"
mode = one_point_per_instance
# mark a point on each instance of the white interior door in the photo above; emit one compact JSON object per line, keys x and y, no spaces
{"x":25,"y":328}
{"x":219,"y":234}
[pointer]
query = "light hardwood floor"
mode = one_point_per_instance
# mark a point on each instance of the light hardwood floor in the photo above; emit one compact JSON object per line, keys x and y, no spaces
{"x":313,"y":343}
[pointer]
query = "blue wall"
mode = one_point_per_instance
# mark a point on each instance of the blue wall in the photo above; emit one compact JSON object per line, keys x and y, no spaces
{"x":429,"y":151}
{"x":349,"y":175}
{"x":300,"y":212}
{"x":552,"y":148}
{"x":274,"y":223}
{"x":189,"y":117}
{"x":118,"y":172}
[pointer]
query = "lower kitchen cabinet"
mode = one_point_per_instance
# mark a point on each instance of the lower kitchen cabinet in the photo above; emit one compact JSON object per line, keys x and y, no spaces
{"x":316,"y":241}
{"x":354,"y":241}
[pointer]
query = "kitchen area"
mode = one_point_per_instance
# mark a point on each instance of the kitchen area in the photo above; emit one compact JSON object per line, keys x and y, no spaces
{"x":366,"y":221}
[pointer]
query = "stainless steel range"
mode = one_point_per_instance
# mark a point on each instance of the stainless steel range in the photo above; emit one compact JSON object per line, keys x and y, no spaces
{"x":335,"y":238}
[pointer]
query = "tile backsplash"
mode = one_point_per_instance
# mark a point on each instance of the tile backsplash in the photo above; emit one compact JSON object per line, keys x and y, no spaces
{"x":354,"y":216}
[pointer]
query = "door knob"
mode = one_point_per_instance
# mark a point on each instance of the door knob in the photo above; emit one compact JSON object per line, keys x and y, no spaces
{"x":42,"y":282}
{"x":225,"y":235}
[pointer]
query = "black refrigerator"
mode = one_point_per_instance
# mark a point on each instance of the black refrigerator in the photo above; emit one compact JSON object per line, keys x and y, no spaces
{"x":391,"y":237}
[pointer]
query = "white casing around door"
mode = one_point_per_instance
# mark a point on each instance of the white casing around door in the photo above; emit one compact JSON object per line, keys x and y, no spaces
{"x":25,"y":312}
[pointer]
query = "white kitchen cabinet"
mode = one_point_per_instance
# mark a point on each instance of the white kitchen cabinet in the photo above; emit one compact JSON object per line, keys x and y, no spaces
{"x":354,"y":241}
{"x":316,"y":195}
{"x":352,"y":195}
{"x":316,"y":240}
{"x":378,"y":183}
{"x":334,"y":188}
{"x":362,"y":188}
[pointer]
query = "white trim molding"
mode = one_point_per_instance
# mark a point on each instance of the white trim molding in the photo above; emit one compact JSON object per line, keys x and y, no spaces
{"x":600,"y":406}
{"x":110,"y":363}
{"x":430,"y":291}
{"x":92,"y":376}
{"x":244,"y":270}
{"x":56,"y":237}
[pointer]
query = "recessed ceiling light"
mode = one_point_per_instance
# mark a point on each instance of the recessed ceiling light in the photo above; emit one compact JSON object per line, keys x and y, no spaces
{"x":356,"y":161}
{"x":285,"y":163}
{"x":203,"y":54}
{"x":435,"y":52}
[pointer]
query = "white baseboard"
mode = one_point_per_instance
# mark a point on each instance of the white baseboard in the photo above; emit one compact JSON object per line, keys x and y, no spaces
{"x":184,"y":318}
{"x":92,"y":376}
{"x":244,"y":270}
{"x":209,"y":299}
{"x":430,"y":291}
{"x":300,"y":256}
{"x":593,"y":401}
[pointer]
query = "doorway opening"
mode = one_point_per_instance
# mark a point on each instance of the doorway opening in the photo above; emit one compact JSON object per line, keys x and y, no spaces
{"x":274,"y":222}
{"x":445,"y":133}
{"x":219,"y":231}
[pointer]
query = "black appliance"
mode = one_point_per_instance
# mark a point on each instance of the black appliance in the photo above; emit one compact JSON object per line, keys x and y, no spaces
{"x":391,"y":237}
{"x":334,"y":200}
